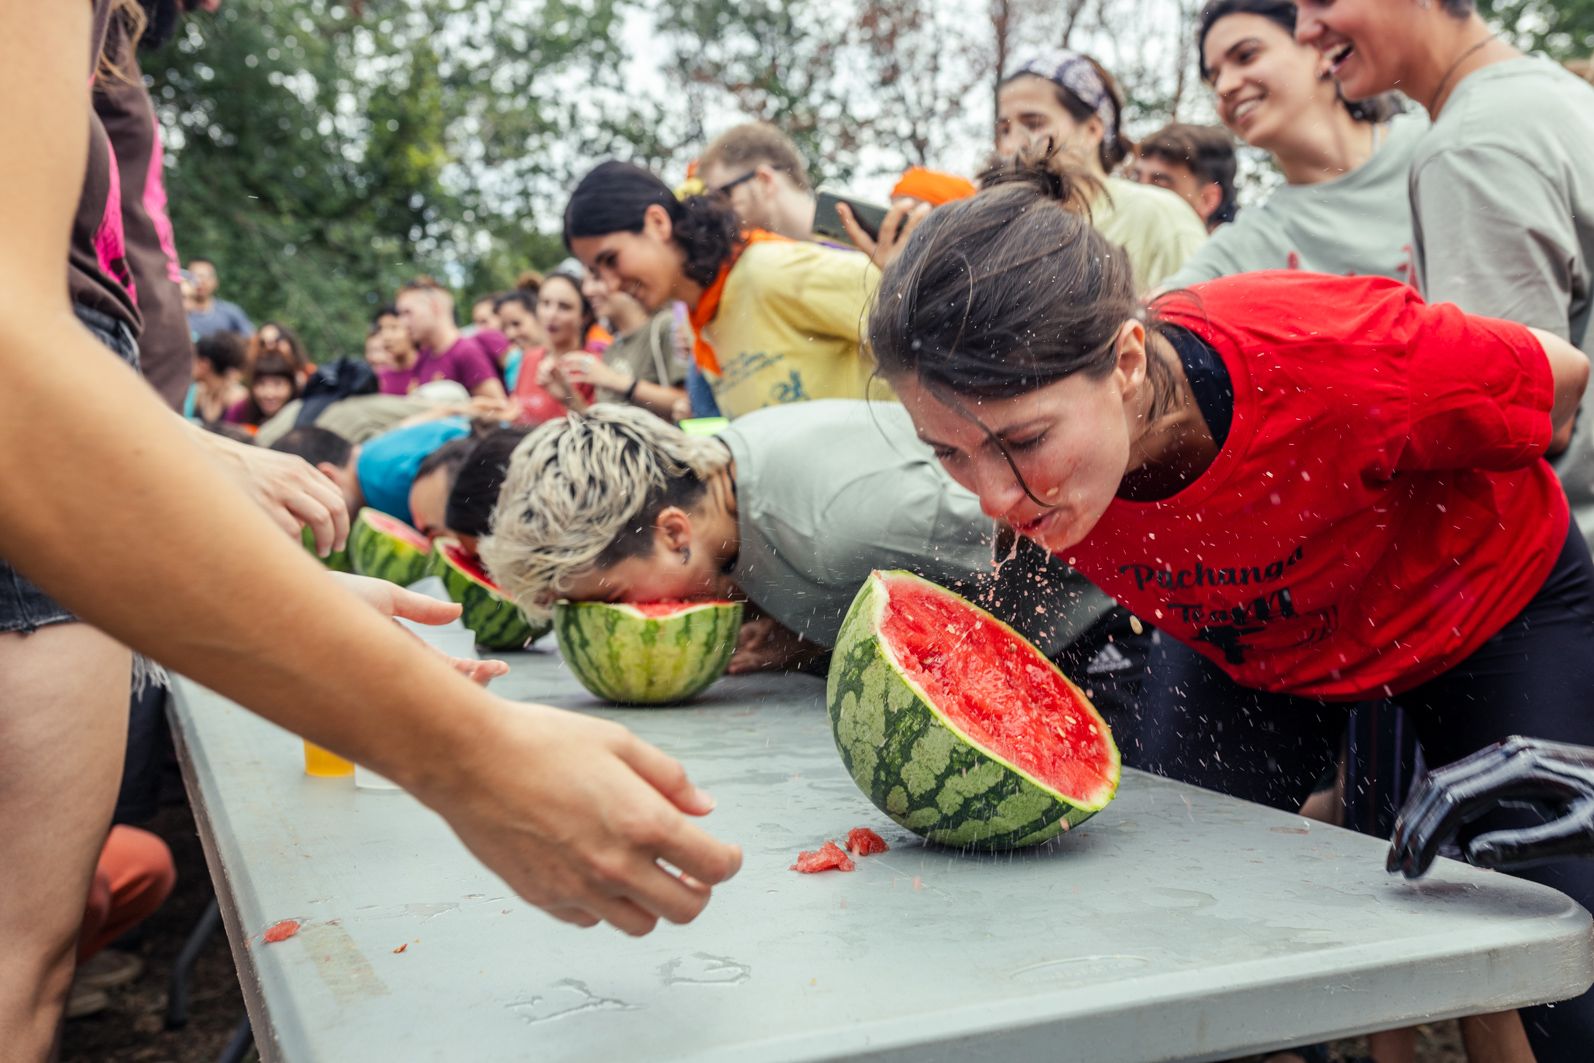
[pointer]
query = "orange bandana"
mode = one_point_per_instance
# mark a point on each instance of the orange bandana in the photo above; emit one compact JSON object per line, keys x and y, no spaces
{"x":709,"y":304}
{"x":929,"y":186}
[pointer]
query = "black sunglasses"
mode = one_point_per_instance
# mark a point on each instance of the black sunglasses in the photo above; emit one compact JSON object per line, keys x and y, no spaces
{"x":725,"y":189}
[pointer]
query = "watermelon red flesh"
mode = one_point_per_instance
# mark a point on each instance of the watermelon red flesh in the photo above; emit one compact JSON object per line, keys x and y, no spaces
{"x":397,"y":529}
{"x":1019,"y":709}
{"x":467,"y":564}
{"x":827,"y":857}
{"x":861,"y":841}
{"x":497,"y":622}
{"x":654,"y":610}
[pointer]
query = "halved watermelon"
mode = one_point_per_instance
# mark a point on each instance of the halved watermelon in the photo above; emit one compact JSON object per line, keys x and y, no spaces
{"x":336,"y":561}
{"x":497,"y":622}
{"x":956,"y":727}
{"x":387,"y":548}
{"x":654,"y":653}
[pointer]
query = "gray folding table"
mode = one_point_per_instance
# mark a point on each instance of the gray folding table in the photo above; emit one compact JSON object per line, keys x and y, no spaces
{"x":1177,"y":924}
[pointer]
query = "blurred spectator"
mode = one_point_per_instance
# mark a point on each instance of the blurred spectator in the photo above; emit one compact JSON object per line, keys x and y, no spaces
{"x":442,"y":352}
{"x":273,"y":382}
{"x":643,"y":365}
{"x":1195,"y":162}
{"x":272,"y":338}
{"x":377,"y":356}
{"x":760,"y":171}
{"x":207,"y":313}
{"x":395,"y":338}
{"x":218,"y":377}
{"x":1067,"y":102}
{"x":482,"y":314}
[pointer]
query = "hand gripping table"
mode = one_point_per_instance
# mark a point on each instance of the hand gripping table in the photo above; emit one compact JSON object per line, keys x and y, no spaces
{"x":1176,"y":925}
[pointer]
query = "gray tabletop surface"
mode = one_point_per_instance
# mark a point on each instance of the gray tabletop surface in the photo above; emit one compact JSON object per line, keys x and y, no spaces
{"x":1177,"y":924}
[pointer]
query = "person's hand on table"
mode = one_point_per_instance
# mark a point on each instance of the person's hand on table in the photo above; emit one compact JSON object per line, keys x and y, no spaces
{"x":293,"y":492}
{"x":577,"y":813}
{"x":765,"y":645}
{"x":1552,"y":777}
{"x":400,"y":603}
{"x":898,"y":225}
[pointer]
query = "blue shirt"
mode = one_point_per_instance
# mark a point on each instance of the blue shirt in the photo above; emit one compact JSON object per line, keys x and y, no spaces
{"x":387,"y":464}
{"x":221,"y":317}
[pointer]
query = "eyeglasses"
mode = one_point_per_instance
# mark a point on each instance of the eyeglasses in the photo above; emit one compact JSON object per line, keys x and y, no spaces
{"x":725,"y":189}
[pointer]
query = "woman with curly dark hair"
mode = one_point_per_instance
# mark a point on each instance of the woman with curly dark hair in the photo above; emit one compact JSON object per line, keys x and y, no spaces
{"x":777,"y":320}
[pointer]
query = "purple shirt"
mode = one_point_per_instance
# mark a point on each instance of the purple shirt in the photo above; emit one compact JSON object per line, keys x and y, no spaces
{"x":471,"y":360}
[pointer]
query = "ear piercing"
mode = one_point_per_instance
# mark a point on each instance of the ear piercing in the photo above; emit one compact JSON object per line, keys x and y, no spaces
{"x":686,"y":555}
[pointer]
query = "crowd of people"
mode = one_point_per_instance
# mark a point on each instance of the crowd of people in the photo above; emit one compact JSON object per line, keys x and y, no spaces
{"x":1245,"y":469}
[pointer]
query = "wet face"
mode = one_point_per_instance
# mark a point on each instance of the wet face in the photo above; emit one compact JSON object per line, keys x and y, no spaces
{"x":1028,"y":111}
{"x":1266,"y":84}
{"x":1070,"y":440}
{"x":1368,"y":44}
{"x":520,"y":326}
{"x":559,"y":314}
{"x":271,"y":393}
{"x":664,"y":575}
{"x":429,"y":502}
{"x":645,"y":265}
{"x":395,"y":335}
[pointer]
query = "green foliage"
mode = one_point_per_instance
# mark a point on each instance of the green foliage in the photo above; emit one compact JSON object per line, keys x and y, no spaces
{"x":322,"y":152}
{"x":1564,"y":29}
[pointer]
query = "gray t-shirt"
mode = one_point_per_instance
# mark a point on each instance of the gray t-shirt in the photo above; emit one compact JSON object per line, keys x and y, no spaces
{"x":827,"y":491}
{"x":1502,"y":193}
{"x":1358,"y":223}
{"x":221,"y":317}
{"x":647,"y":353}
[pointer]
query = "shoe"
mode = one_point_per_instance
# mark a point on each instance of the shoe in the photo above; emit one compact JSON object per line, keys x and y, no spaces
{"x":86,"y":1000}
{"x":108,"y":968}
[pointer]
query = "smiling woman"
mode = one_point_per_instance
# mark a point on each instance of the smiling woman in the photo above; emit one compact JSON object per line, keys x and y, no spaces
{"x":1343,"y":208}
{"x":777,"y":320}
{"x":1327,"y":490}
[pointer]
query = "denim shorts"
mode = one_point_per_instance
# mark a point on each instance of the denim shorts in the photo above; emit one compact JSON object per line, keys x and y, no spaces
{"x":24,"y":607}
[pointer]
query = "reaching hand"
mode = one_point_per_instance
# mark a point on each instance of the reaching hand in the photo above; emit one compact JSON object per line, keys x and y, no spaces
{"x":764,"y":645}
{"x":390,"y":599}
{"x":1554,"y":778}
{"x":584,"y":819}
{"x":579,"y":367}
{"x":291,"y":490}
{"x":899,"y":223}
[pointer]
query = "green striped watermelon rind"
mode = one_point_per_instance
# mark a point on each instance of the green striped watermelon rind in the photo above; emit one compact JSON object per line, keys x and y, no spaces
{"x":623,"y":655}
{"x":916,"y":766}
{"x":379,"y":554}
{"x":497,"y":622}
{"x":336,"y":561}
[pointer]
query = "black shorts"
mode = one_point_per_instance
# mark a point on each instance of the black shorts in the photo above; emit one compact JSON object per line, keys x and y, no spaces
{"x":23,"y":606}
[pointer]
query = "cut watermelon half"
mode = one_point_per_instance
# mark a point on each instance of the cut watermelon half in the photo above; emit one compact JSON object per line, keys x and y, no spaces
{"x":652,"y":653}
{"x":497,"y":622}
{"x":387,"y":548}
{"x":957,"y":727}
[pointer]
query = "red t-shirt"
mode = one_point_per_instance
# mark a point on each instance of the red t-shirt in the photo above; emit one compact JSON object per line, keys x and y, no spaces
{"x":1380,"y":507}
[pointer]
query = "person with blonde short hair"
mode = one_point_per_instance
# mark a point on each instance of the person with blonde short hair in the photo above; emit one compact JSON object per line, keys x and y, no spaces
{"x":789,"y":508}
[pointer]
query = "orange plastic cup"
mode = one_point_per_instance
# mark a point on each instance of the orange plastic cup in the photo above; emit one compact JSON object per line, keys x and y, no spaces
{"x":324,"y":763}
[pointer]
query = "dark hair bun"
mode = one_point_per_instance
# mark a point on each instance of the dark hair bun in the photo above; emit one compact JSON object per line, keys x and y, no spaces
{"x":1048,"y":171}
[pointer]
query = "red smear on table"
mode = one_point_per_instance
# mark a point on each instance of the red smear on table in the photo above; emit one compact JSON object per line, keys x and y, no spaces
{"x":861,"y":841}
{"x":829,"y":857}
{"x":281,"y":931}
{"x":401,"y":948}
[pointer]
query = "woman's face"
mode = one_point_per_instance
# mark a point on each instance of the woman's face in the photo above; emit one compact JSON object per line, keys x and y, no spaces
{"x":1028,"y":110}
{"x":1367,"y":43}
{"x":645,"y":265}
{"x":1266,"y":84}
{"x":520,"y":327}
{"x":271,"y":393}
{"x":1070,"y":440}
{"x":559,"y":313}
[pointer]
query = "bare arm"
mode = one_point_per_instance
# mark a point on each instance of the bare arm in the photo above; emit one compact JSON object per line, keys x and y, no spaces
{"x":1569,"y":369}
{"x":512,"y":780}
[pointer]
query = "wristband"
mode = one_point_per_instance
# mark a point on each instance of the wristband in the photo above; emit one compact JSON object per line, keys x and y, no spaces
{"x":630,"y":392}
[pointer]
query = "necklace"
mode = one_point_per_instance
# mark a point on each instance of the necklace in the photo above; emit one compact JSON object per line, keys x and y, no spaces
{"x":1462,"y":58}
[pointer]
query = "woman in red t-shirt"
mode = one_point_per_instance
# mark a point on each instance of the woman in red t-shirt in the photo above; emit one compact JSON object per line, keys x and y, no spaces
{"x":1328,"y":490}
